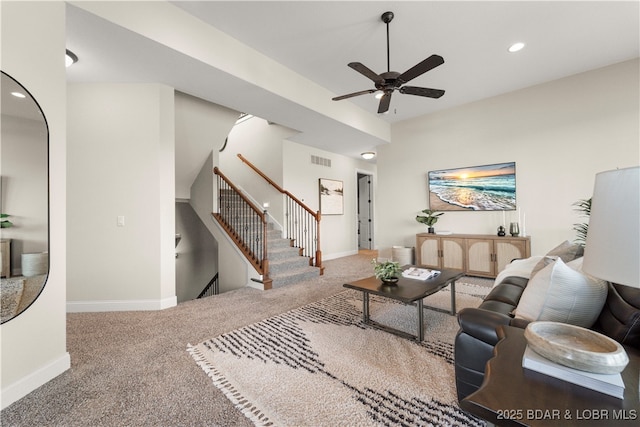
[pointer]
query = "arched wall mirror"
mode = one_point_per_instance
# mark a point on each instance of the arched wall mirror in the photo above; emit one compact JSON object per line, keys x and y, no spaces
{"x":24,"y":198}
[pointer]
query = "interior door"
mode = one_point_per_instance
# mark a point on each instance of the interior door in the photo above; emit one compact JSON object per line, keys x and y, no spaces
{"x":365,"y":220}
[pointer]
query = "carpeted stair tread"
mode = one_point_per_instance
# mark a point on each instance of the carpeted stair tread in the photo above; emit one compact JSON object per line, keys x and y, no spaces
{"x":281,"y":265}
{"x":278,"y":243}
{"x":283,"y":252}
{"x":295,"y":275}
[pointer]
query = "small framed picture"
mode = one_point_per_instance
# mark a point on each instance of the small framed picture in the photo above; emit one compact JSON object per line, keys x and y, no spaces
{"x":331,"y":197}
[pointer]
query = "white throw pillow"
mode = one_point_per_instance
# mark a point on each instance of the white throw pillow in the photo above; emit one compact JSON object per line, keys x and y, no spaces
{"x":560,"y":293}
{"x":519,"y":268}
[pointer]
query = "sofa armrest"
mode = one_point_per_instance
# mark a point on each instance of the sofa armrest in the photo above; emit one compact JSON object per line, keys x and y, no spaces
{"x":482,"y":324}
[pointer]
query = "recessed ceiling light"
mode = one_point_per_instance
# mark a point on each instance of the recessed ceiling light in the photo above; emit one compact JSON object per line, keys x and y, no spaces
{"x":368,"y":155}
{"x":70,"y":58}
{"x":18,"y":95}
{"x":516,"y":47}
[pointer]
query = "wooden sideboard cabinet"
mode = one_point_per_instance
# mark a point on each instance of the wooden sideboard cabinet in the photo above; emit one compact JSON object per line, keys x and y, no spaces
{"x":475,"y":254}
{"x":435,"y":251}
{"x":5,"y":254}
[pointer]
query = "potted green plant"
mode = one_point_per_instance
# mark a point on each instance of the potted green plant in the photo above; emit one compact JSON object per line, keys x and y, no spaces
{"x":429,"y":219}
{"x":387,"y":271}
{"x":4,"y":222}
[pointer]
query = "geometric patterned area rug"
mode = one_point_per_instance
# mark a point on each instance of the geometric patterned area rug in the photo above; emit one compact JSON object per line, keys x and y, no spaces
{"x":318,"y":365}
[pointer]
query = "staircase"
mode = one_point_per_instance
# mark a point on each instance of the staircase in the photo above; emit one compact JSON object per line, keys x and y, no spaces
{"x":280,"y":260}
{"x":286,"y":264}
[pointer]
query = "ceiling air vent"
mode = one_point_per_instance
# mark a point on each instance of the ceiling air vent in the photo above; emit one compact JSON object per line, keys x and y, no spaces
{"x":317,"y":160}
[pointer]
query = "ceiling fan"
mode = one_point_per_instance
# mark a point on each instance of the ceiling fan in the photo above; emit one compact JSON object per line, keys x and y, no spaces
{"x":392,"y":80}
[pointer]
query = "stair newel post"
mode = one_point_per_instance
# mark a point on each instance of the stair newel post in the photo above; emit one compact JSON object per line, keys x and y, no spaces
{"x":266,"y":280}
{"x":318,"y":251}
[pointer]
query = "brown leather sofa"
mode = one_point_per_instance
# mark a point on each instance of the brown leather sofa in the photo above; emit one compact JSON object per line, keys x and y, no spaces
{"x":619,"y":319}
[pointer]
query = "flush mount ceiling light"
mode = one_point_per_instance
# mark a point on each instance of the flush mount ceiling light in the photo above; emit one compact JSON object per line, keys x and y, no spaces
{"x":368,"y":155}
{"x":70,"y":58}
{"x":516,"y":47}
{"x":18,"y":94}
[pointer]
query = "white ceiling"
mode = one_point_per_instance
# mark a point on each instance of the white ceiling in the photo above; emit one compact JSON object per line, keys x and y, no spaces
{"x":318,"y":39}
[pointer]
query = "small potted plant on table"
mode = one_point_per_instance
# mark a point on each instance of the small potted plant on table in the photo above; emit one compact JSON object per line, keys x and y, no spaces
{"x":4,"y":222}
{"x":430,"y":219}
{"x":387,"y":271}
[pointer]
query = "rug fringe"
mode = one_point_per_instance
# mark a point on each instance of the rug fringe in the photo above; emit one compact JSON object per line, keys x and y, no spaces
{"x":247,"y":408}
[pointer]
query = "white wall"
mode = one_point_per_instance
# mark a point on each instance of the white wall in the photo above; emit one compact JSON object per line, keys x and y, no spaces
{"x":200,"y":128}
{"x":25,"y":189}
{"x":261,"y":144}
{"x":33,"y":345}
{"x":339,"y":233}
{"x":121,"y":163}
{"x":560,"y":134}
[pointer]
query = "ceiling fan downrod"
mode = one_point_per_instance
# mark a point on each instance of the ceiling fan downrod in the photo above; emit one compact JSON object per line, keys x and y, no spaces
{"x":386,"y":18}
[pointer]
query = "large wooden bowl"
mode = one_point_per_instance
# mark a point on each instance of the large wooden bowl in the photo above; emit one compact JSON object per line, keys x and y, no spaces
{"x":576,"y":347}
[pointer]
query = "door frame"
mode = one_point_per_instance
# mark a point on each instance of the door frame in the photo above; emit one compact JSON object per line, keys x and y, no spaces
{"x":372,"y":227}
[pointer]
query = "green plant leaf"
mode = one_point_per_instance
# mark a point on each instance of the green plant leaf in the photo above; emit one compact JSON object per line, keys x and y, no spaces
{"x":387,"y":269}
{"x":431,"y":217}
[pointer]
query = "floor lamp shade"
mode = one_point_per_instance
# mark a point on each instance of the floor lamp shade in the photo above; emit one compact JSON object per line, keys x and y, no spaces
{"x":612,"y":250}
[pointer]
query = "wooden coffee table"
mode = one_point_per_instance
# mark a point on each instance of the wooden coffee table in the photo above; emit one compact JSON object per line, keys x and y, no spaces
{"x":408,"y":291}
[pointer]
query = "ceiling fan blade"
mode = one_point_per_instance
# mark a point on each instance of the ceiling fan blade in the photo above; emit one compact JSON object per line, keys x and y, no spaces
{"x":384,"y":102}
{"x":350,"y":95}
{"x":365,"y":71}
{"x":422,"y":91}
{"x":428,"y":64}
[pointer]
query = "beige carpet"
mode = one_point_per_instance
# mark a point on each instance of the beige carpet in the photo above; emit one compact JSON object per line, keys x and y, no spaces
{"x":10,"y":295}
{"x":131,"y":368}
{"x":318,"y":365}
{"x":17,"y":293}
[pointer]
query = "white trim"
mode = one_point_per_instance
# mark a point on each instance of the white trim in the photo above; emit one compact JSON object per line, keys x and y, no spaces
{"x":373,"y":207}
{"x":255,"y":285}
{"x":121,"y":305}
{"x":16,"y":391}
{"x":338,"y":255}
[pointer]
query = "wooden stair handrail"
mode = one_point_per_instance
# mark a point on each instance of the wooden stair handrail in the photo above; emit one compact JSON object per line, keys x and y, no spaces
{"x":245,"y":198}
{"x":316,"y":215}
{"x":263,"y":265}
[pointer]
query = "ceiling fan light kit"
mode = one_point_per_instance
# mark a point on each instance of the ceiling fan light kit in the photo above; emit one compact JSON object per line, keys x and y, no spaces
{"x":70,"y":58}
{"x":386,"y":83}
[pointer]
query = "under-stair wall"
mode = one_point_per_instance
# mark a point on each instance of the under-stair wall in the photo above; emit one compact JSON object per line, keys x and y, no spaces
{"x":196,"y":253}
{"x":234,"y":270}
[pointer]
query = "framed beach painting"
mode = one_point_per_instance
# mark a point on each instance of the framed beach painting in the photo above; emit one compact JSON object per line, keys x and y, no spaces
{"x":331,"y":197}
{"x":474,"y":188}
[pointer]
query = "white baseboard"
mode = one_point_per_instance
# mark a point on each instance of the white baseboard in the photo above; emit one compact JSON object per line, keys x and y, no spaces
{"x":120,"y":305}
{"x":16,"y":391}
{"x":327,"y":257}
